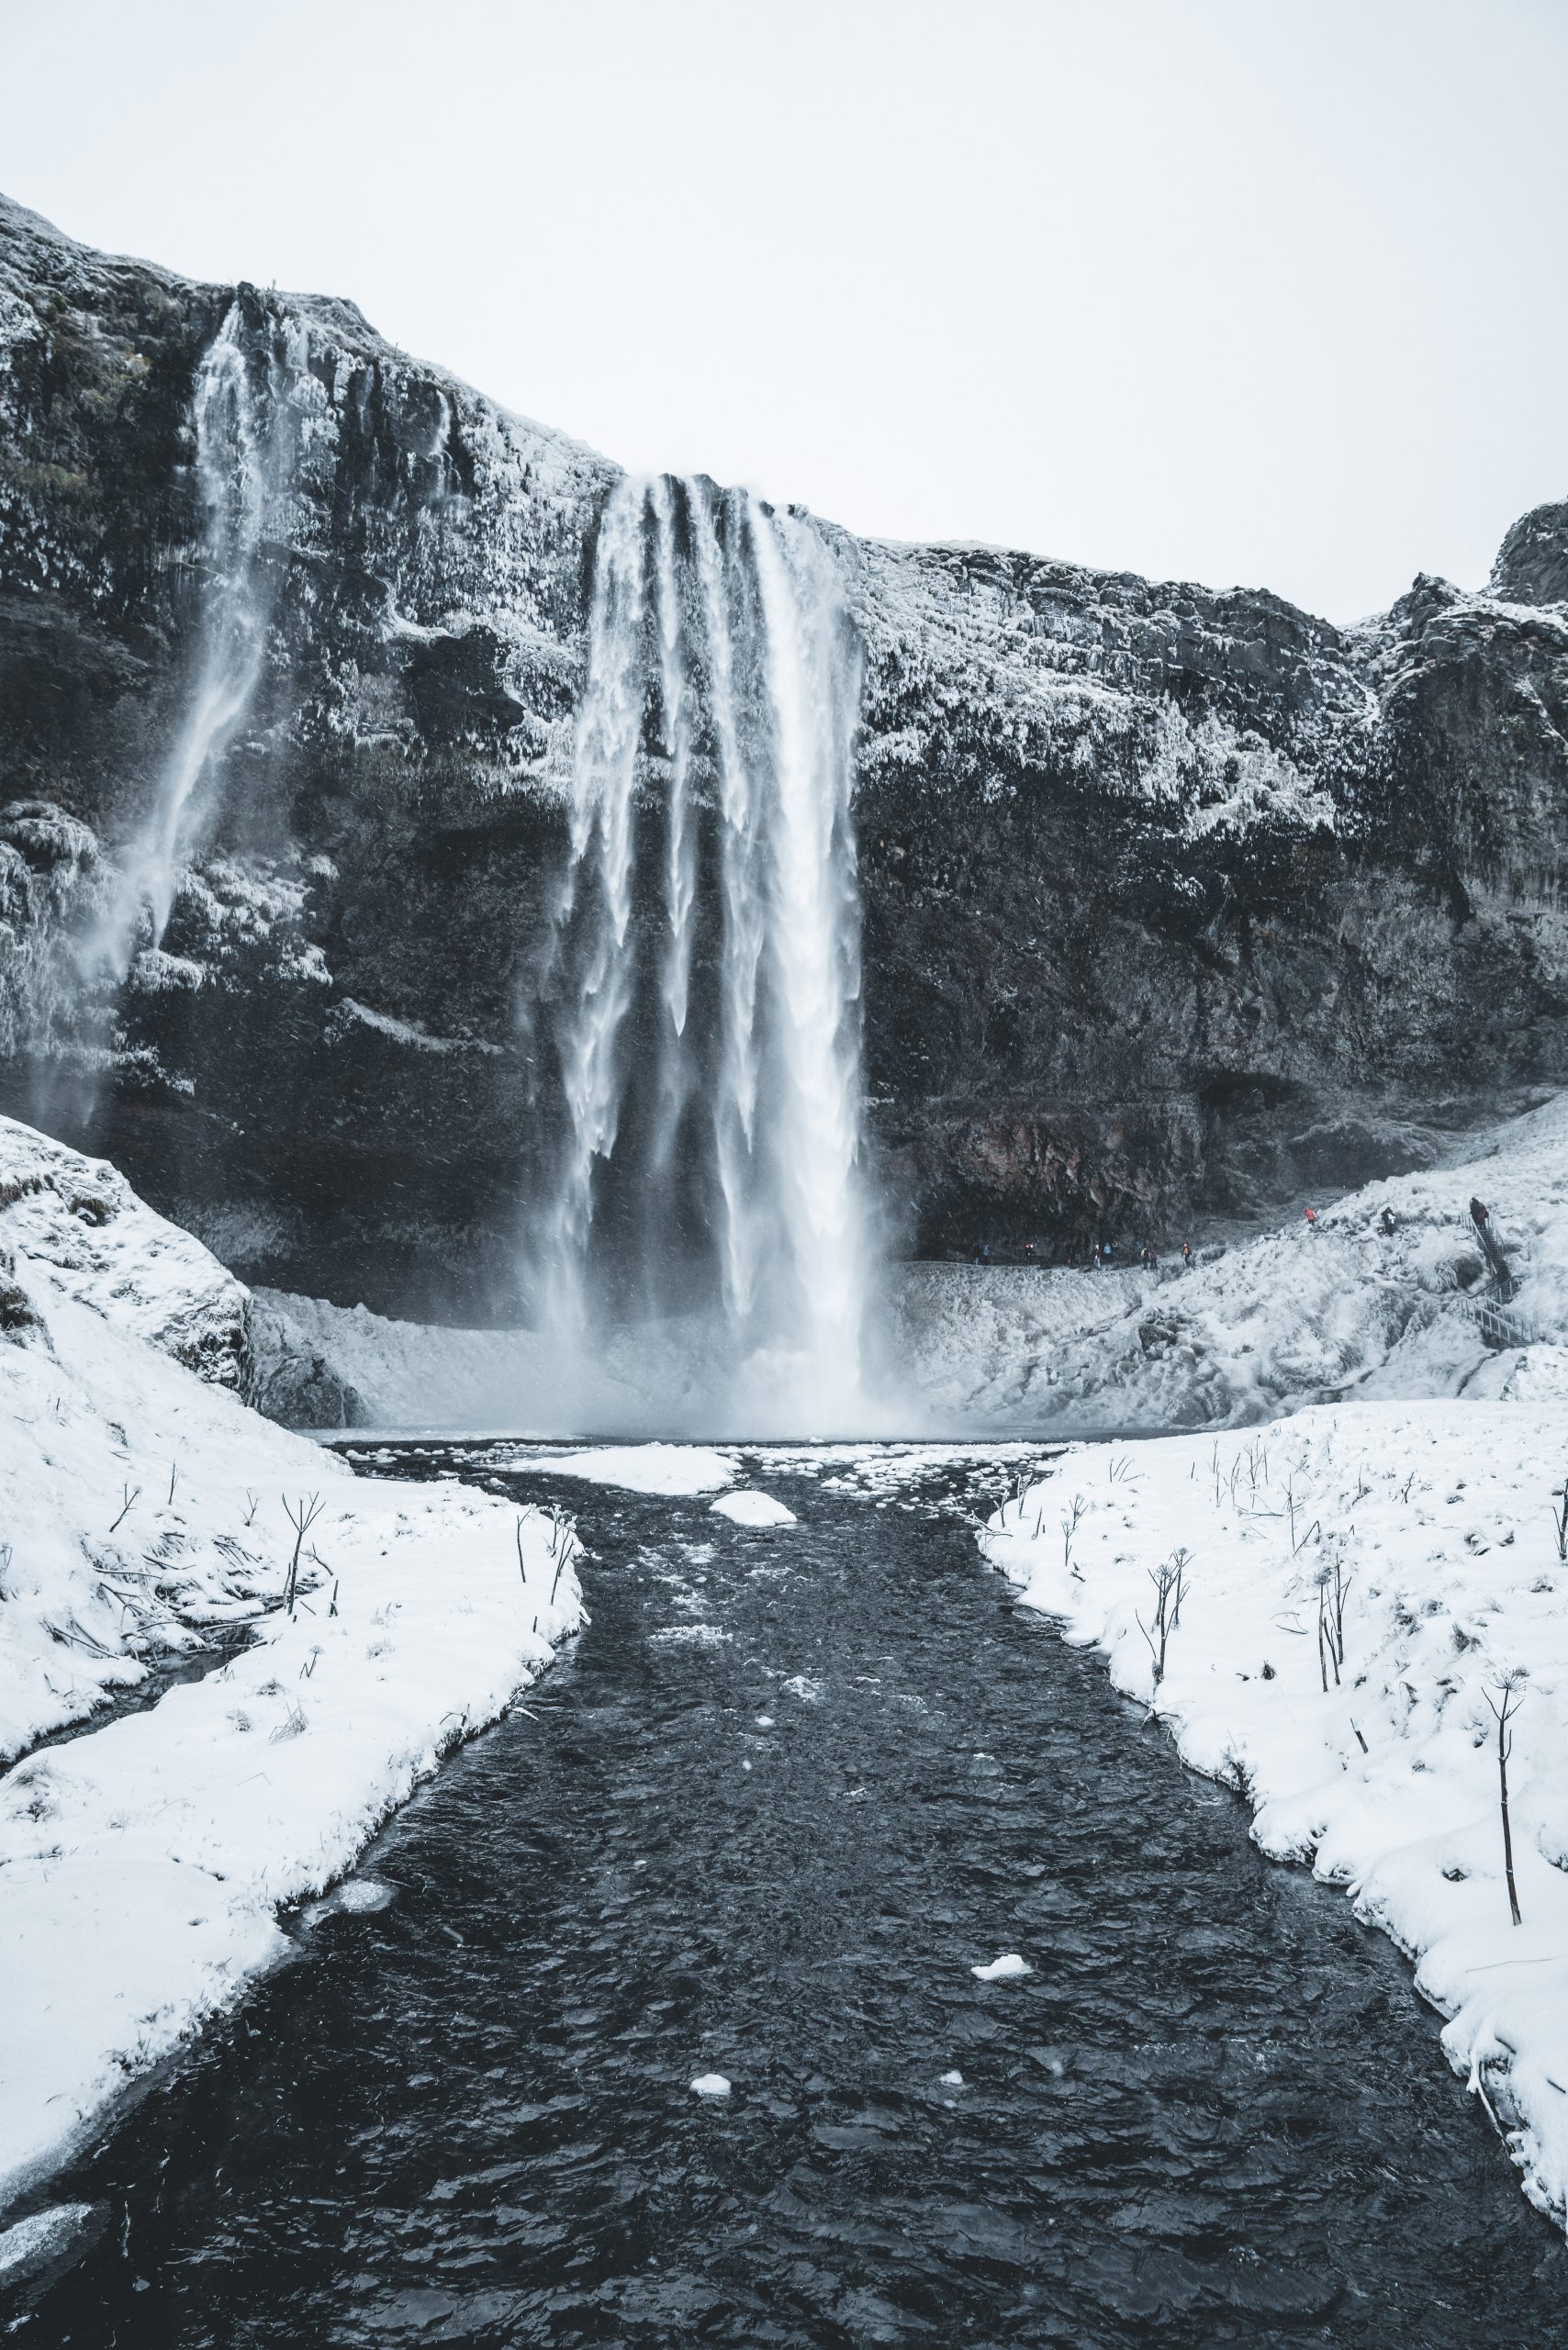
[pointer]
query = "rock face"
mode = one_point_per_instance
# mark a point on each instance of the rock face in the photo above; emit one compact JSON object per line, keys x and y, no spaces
{"x":1175,"y":903}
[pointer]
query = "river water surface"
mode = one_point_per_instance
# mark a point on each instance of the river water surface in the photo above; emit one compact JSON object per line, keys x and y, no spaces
{"x":762,"y":1821}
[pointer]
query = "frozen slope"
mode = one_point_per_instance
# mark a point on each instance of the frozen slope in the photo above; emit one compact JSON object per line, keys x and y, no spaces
{"x":1381,"y":1772}
{"x":1375,"y":1300}
{"x":143,"y":1864}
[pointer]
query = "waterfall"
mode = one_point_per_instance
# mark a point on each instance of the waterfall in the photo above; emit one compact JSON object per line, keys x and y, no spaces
{"x":704,"y":971}
{"x":237,"y":434}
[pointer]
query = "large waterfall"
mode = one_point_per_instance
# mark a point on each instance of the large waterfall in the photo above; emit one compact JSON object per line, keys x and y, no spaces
{"x":704,"y":975}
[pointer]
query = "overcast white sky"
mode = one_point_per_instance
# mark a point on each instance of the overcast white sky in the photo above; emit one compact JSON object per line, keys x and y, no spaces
{"x":1269,"y":291}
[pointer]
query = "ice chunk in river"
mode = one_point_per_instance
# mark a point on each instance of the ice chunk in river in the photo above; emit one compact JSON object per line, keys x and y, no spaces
{"x":637,"y":1468}
{"x":364,"y":1893}
{"x":751,"y":1508}
{"x":711,"y":2085}
{"x":42,"y":2238}
{"x":1003,"y":1969}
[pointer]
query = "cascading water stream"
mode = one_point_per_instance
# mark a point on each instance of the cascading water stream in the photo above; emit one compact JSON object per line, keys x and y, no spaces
{"x":237,"y":468}
{"x":58,"y":1004}
{"x":705,"y":964}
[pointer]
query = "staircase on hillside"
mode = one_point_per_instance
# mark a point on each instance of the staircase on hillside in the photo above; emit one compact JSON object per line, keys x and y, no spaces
{"x":1497,"y":1317}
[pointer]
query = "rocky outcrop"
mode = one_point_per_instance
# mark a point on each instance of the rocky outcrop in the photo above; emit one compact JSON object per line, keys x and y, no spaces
{"x":78,"y":1223}
{"x":1532,"y":563}
{"x":1175,"y":901}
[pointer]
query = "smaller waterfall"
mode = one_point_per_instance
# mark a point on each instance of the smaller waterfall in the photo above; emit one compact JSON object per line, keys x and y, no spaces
{"x":705,"y":968}
{"x":238,"y":466}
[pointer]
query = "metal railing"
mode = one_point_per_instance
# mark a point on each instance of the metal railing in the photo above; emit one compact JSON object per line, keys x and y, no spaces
{"x":1503,"y":1326}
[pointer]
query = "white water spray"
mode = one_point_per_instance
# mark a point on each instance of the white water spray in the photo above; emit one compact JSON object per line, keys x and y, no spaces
{"x":707,"y":959}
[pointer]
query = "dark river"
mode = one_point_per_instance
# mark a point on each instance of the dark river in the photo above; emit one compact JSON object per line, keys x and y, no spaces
{"x":762,"y":1821}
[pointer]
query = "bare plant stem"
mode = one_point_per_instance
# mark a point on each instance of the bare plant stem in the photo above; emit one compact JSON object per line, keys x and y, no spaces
{"x":1510,"y":1692}
{"x":302,"y":1515}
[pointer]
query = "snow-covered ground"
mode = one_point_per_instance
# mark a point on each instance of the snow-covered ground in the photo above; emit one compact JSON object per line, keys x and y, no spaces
{"x":145,"y":1863}
{"x":1374,"y":1300}
{"x":1431,"y":1522}
{"x":143,"y":1507}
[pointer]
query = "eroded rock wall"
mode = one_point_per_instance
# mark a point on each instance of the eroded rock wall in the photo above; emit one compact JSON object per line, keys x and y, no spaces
{"x":1175,"y":903}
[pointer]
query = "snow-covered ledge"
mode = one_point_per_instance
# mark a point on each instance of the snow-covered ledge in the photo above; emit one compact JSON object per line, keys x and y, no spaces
{"x":142,"y":1866}
{"x":1424,"y":1531}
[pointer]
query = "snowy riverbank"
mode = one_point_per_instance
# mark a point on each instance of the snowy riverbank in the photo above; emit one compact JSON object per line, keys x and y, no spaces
{"x":1436,"y":1518}
{"x":143,"y":1864}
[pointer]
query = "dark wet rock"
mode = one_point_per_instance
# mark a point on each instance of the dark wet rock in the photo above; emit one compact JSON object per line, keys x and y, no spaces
{"x":1177,"y":902}
{"x":1160,"y":1333}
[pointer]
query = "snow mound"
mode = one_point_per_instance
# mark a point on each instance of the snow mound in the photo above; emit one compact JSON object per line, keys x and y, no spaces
{"x":1358,"y":1586}
{"x":752,"y":1508}
{"x":84,"y":1235}
{"x":363,"y":1895}
{"x":1004,"y":1969}
{"x":333,"y":1366}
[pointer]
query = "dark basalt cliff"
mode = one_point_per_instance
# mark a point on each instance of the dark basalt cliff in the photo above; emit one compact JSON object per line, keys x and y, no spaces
{"x":1175,"y":903}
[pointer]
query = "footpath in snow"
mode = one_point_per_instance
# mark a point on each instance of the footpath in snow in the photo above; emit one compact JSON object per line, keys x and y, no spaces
{"x":145,"y":1510}
{"x":1351,"y":1597}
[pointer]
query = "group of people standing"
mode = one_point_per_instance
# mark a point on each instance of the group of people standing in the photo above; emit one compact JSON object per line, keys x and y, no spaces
{"x":1102,"y":1255}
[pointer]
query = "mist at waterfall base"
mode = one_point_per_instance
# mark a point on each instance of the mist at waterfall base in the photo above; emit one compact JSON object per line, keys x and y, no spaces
{"x":706,"y":1236}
